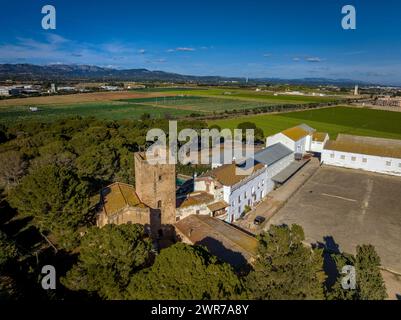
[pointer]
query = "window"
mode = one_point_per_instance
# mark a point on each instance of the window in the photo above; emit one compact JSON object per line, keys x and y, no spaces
{"x":388,"y":163}
{"x":245,"y":195}
{"x":364,"y":160}
{"x":332,"y":156}
{"x":353,"y":158}
{"x":197,"y":211}
{"x":239,"y":199}
{"x":159,"y":204}
{"x":342,"y":157}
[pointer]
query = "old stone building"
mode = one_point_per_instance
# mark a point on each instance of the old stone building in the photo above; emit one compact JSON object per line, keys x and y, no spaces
{"x":120,"y":204}
{"x":151,"y":203}
{"x":156,"y":187}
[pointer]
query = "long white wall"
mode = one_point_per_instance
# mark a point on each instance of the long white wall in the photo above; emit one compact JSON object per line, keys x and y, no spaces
{"x":391,"y":166}
{"x":275,"y":169}
{"x":253,"y":190}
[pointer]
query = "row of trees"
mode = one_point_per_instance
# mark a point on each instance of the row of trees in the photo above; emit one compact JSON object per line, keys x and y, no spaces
{"x":116,"y":262}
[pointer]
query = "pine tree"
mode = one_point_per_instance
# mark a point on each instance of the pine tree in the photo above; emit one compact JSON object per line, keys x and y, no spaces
{"x":185,"y":272}
{"x":369,"y":279}
{"x":108,"y":258}
{"x":56,"y":199}
{"x":285,"y":268}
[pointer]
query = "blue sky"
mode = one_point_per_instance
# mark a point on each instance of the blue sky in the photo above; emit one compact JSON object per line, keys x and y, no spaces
{"x":287,"y":39}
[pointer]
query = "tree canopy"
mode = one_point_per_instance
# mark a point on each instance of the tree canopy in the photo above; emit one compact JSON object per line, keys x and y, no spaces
{"x":285,"y":268}
{"x":108,"y":257}
{"x":8,"y":251}
{"x":185,"y":272}
{"x":369,"y":280}
{"x":56,"y":199}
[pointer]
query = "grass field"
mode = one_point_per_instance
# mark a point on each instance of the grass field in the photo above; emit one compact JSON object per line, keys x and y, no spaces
{"x":106,"y":110}
{"x":132,"y":104}
{"x":241,"y":94}
{"x":357,"y":121}
{"x":200,"y":104}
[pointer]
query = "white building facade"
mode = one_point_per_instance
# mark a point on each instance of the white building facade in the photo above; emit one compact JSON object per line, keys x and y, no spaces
{"x":300,"y":139}
{"x":242,"y":191}
{"x":364,"y":153}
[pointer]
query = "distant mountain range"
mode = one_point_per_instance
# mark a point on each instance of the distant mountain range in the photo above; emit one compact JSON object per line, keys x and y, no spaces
{"x":60,"y":72}
{"x":84,"y":72}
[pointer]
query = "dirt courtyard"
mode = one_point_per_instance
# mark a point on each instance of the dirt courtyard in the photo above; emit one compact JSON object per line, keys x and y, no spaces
{"x":345,"y":207}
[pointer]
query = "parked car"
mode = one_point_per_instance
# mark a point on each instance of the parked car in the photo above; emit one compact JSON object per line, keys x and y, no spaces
{"x":259,"y":220}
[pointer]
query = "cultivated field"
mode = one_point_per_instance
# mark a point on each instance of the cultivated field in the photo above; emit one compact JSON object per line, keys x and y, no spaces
{"x":198,"y":103}
{"x":158,"y":102}
{"x":105,"y":110}
{"x":366,"y":122}
{"x":75,"y":98}
{"x":266,"y":97}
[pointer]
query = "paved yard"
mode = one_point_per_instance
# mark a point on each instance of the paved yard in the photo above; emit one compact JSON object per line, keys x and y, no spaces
{"x":348,"y":207}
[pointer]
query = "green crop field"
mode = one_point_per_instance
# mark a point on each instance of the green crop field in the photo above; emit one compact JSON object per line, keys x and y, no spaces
{"x":158,"y":102}
{"x":357,"y":121}
{"x":199,"y":104}
{"x":265,"y":97}
{"x":106,"y":110}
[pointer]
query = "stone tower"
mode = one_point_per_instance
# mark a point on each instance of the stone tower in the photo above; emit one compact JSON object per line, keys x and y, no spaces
{"x":155,"y":185}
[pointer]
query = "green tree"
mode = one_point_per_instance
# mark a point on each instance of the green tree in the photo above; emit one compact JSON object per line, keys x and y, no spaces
{"x":107,"y":260}
{"x":258,"y":133}
{"x":12,"y":168}
{"x":3,"y":133}
{"x":369,"y":279}
{"x":145,"y":116}
{"x":336,"y":292}
{"x":285,"y":268}
{"x":185,"y":272}
{"x":8,"y":251}
{"x":57,"y":200}
{"x":98,"y":162}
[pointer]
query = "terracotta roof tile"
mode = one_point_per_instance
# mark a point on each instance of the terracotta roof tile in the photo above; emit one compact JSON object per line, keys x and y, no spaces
{"x":227,"y":174}
{"x":117,"y":196}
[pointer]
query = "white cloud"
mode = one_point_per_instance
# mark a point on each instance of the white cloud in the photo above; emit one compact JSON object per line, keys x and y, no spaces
{"x":53,"y":47}
{"x":185,"y":49}
{"x":313,"y":59}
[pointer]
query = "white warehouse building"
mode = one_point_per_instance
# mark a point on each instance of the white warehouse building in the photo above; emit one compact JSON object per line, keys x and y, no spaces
{"x":300,"y":139}
{"x":365,"y":153}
